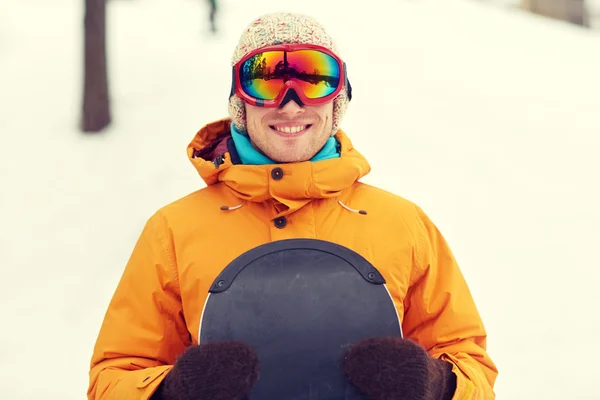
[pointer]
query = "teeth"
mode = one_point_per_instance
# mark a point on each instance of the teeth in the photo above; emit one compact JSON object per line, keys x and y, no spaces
{"x":290,"y":129}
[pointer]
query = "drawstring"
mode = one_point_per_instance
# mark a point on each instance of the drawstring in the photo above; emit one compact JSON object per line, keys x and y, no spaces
{"x":361,"y":212}
{"x":227,"y":208}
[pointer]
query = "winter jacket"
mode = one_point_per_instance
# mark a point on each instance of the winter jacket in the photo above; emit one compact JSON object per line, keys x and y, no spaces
{"x":156,"y":309}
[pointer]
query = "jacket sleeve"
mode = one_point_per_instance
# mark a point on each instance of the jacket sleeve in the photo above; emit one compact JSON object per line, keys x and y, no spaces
{"x":143,"y":329}
{"x":440,"y":314}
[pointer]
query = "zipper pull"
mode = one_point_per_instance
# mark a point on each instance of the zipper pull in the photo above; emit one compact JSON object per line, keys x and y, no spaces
{"x":218,"y":161}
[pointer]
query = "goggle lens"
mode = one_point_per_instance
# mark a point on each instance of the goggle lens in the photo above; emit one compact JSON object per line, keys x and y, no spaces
{"x":316,"y":73}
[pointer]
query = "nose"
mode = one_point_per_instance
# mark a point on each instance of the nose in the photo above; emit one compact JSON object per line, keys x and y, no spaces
{"x":290,"y":109}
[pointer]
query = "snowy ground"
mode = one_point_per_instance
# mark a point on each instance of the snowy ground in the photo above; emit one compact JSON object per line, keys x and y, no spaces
{"x":491,"y":119}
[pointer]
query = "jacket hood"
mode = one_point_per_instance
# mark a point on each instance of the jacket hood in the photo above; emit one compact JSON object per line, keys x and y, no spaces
{"x":300,"y":183}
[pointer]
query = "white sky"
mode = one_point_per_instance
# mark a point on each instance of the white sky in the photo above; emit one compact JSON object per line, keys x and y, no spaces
{"x":485,"y":116}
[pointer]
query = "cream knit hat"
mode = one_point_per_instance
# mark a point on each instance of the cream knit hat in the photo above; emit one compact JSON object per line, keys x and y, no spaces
{"x":281,"y":28}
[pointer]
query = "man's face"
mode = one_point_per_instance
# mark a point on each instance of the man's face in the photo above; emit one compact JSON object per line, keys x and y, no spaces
{"x":290,"y":133}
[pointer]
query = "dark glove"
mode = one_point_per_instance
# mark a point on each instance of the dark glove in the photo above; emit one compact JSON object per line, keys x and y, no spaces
{"x":215,"y":371}
{"x":398,"y":369}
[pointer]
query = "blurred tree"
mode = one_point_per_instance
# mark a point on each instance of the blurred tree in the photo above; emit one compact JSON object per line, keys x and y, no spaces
{"x":96,"y":107}
{"x":567,"y":10}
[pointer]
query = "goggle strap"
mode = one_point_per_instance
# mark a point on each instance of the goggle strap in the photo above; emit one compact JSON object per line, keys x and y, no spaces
{"x":232,"y":92}
{"x":347,"y":84}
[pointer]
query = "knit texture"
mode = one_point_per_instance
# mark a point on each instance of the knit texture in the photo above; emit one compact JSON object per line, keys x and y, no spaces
{"x":280,"y":28}
{"x":398,"y":369}
{"x":216,"y":371}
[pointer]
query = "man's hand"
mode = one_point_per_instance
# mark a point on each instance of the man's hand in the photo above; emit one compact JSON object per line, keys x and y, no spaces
{"x":398,"y":369}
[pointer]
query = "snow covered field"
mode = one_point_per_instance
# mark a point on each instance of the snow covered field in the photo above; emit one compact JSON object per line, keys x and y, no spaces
{"x":490,"y":117}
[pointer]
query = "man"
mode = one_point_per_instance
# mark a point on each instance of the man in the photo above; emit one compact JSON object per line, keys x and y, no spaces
{"x":280,"y":168}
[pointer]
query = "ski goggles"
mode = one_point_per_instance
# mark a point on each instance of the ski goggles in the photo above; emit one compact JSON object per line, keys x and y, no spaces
{"x":265,"y":76}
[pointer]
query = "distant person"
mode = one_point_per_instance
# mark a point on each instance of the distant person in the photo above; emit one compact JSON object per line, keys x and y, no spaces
{"x":212,"y":15}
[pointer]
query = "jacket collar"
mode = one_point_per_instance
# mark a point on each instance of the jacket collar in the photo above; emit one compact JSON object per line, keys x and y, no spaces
{"x":301,"y":182}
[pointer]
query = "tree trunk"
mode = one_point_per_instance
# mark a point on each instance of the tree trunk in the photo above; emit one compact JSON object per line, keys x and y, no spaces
{"x":567,"y":10}
{"x":96,"y":108}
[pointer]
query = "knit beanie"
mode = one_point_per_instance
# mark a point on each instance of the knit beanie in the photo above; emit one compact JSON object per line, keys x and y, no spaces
{"x":280,"y":28}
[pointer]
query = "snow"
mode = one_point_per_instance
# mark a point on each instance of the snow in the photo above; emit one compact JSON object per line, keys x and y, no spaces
{"x":490,"y":122}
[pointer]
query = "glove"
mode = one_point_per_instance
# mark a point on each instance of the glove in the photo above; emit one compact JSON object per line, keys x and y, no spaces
{"x":217,"y":371}
{"x":398,"y":369}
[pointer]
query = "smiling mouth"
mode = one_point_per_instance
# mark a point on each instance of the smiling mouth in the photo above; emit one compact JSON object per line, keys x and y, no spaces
{"x":290,"y":130}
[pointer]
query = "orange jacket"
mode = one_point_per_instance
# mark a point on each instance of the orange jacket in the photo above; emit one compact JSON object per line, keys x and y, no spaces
{"x":155,"y":311}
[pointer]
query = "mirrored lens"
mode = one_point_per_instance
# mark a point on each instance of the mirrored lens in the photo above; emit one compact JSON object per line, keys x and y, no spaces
{"x":263,"y":76}
{"x":317,"y":73}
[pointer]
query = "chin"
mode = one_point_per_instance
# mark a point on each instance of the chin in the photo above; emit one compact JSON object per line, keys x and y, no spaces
{"x":284,"y":160}
{"x":290,"y":158}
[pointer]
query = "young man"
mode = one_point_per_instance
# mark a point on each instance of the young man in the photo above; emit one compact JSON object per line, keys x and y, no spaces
{"x":280,"y":168}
